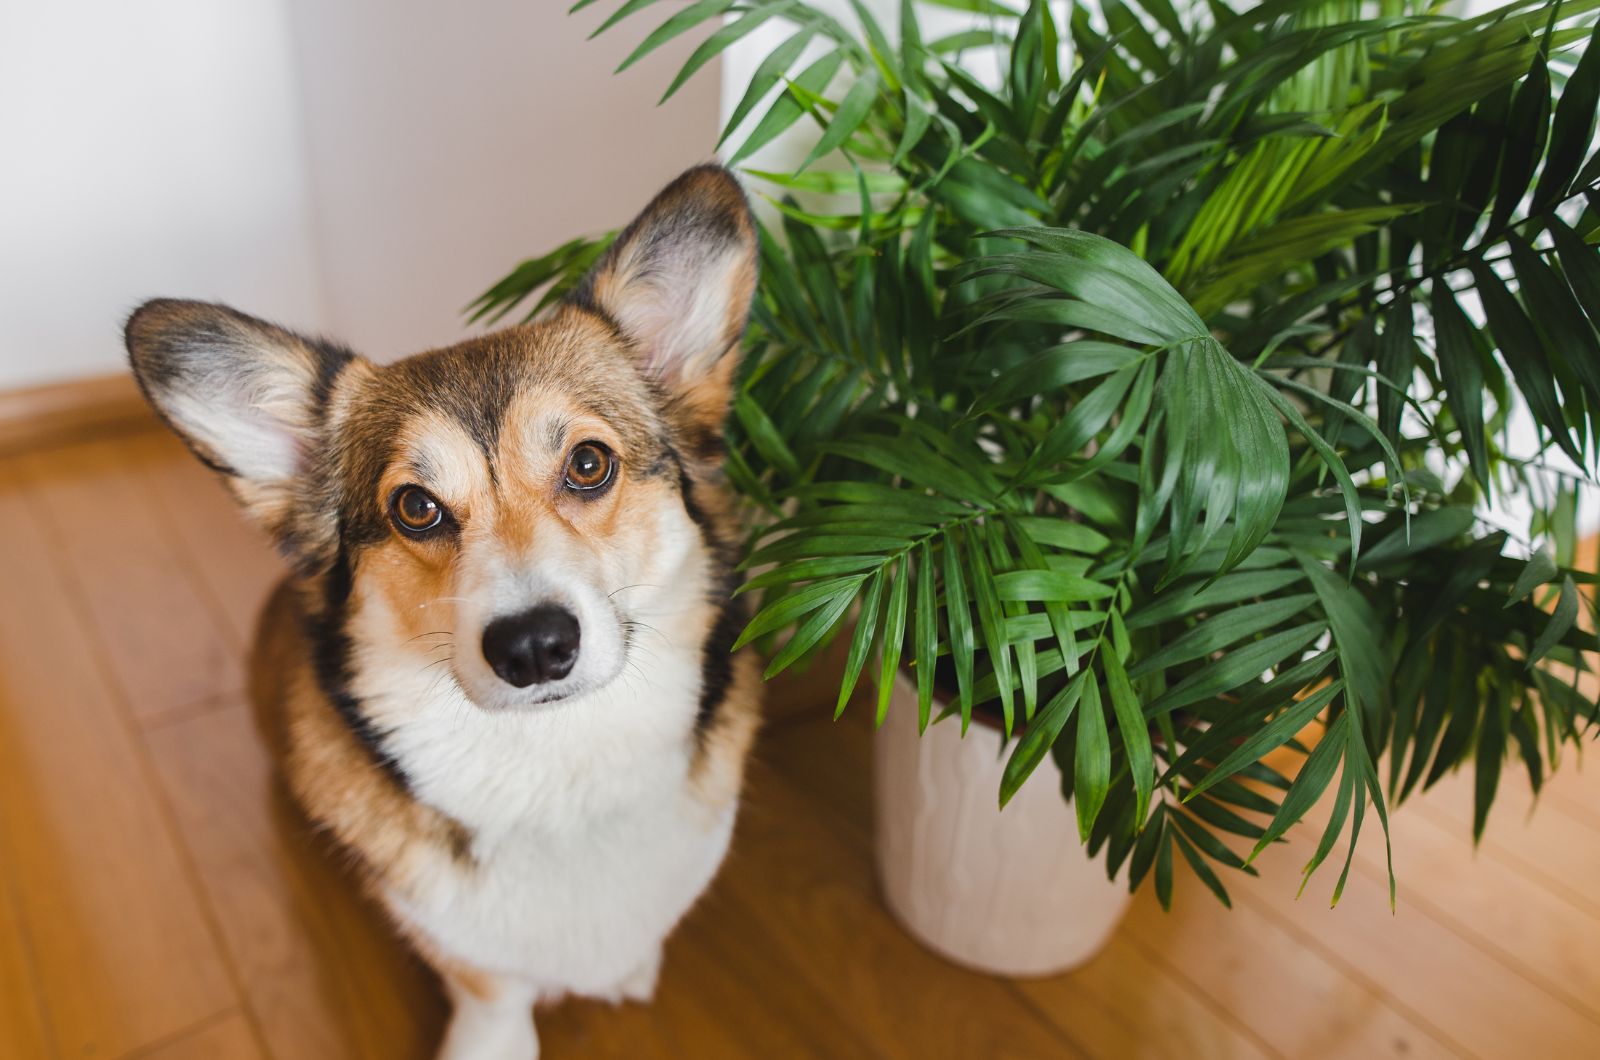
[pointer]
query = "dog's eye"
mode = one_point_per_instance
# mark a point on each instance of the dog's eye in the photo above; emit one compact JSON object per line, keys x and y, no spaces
{"x":589,"y":466}
{"x":415,"y":511}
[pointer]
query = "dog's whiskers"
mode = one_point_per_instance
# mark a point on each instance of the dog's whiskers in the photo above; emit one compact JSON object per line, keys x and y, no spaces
{"x":439,"y":677}
{"x":646,"y":651}
{"x":635,"y":585}
{"x":434,"y":665}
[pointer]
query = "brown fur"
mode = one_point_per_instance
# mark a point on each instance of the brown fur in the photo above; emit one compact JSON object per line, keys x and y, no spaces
{"x":325,"y":766}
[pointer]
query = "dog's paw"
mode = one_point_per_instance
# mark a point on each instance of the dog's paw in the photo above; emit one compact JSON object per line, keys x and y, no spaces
{"x":490,"y":1032}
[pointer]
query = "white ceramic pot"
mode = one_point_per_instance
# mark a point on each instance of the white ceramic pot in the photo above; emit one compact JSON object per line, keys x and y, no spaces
{"x":1008,"y":892}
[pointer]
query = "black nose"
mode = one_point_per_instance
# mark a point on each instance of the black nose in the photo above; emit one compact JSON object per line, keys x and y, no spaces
{"x":540,"y":644}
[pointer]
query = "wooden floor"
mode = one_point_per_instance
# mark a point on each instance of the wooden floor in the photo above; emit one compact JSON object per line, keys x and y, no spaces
{"x":159,"y":899}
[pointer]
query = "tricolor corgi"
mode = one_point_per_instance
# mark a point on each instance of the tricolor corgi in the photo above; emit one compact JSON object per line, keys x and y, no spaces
{"x":500,"y":672}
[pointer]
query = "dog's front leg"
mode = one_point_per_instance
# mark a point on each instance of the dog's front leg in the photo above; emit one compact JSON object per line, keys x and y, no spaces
{"x":491,"y":1018}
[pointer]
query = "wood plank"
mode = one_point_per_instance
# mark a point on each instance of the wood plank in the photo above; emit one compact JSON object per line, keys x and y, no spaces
{"x":322,"y":972}
{"x":1536,"y":840}
{"x":227,"y":1038}
{"x":1502,"y":911}
{"x":238,"y":566}
{"x":1120,"y":1004}
{"x":765,"y":991}
{"x":723,"y":993}
{"x":1454,"y":986}
{"x":816,"y":899}
{"x":22,"y":1025}
{"x":1125,"y":1004}
{"x":1572,"y":800}
{"x":163,"y":638}
{"x":122,"y":951}
{"x":1300,"y":1003}
{"x":71,"y":411}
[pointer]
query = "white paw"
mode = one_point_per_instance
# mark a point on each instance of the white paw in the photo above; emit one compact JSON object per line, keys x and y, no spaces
{"x":480,"y":1031}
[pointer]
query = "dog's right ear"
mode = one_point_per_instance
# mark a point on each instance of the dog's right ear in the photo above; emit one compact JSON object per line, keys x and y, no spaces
{"x":677,"y":283}
{"x":245,"y":395}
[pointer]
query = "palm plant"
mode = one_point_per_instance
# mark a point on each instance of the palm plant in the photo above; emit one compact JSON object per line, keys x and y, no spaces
{"x":1152,"y":399}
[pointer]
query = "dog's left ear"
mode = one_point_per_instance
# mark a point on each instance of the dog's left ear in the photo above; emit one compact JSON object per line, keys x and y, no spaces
{"x":249,"y":398}
{"x":678,"y":283}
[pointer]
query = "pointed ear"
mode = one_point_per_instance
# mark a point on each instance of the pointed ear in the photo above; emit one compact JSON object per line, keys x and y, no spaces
{"x":245,"y":395}
{"x":678,"y":283}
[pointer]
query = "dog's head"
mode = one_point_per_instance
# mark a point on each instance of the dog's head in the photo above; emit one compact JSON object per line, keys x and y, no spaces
{"x":511,"y":497}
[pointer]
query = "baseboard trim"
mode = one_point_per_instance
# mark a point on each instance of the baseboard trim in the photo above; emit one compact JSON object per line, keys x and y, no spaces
{"x":77,"y":410}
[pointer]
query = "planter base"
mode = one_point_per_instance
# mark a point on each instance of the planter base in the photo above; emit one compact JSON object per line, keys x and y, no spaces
{"x":1010,"y":893}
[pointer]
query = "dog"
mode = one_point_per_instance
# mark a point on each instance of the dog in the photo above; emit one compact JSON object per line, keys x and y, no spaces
{"x":500,"y":673}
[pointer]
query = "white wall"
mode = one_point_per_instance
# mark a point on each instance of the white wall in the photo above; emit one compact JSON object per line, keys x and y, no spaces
{"x":450,"y":140}
{"x":362,"y":168}
{"x":148,"y":147}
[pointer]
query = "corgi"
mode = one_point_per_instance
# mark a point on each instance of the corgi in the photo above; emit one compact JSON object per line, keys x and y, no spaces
{"x":500,"y":674}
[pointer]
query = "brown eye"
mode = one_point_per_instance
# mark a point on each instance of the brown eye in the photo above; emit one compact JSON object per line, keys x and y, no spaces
{"x":589,"y":467}
{"x":415,"y":511}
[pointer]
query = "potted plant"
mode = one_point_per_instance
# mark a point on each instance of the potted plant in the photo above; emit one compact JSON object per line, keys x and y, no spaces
{"x":1148,"y":400}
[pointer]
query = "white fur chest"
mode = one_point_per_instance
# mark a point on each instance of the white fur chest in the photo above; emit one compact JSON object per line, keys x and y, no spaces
{"x":589,"y":842}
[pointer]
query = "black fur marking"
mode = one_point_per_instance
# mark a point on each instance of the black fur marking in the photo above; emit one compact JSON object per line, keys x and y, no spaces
{"x":707,"y":444}
{"x":475,"y":396}
{"x":716,"y":660}
{"x":697,"y":514}
{"x":330,"y":658}
{"x":422,"y":471}
{"x":331,"y":360}
{"x":556,"y":434}
{"x":666,"y":461}
{"x":485,"y":430}
{"x":716,"y":654}
{"x":205,"y":458}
